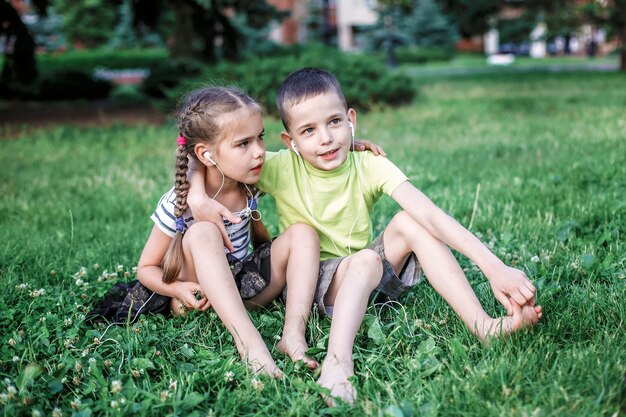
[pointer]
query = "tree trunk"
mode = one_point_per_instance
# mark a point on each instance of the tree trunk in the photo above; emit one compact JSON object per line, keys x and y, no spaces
{"x":181,"y":46}
{"x":19,"y":52}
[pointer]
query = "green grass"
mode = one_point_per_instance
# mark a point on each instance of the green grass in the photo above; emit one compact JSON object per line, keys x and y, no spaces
{"x":549,"y":154}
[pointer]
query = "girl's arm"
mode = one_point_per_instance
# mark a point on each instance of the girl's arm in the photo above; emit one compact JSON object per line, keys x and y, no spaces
{"x":505,"y":281}
{"x":150,"y":274}
{"x":203,"y":207}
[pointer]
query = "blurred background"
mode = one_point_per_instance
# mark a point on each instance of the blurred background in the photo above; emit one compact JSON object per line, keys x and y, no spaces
{"x":131,"y":59}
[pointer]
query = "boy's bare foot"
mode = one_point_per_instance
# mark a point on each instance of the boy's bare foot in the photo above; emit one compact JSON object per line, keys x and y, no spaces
{"x":334,"y":376}
{"x":261,"y":362}
{"x":295,"y":347}
{"x":522,"y":317}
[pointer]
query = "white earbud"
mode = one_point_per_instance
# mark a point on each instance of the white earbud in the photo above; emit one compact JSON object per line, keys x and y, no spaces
{"x":207,"y":155}
{"x":294,"y":149}
{"x":351,"y":129}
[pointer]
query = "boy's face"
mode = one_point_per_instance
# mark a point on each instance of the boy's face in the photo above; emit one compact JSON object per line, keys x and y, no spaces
{"x":320,"y":129}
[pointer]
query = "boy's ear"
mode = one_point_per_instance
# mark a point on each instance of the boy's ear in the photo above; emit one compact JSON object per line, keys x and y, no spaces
{"x":286,"y":138}
{"x":352,"y":116}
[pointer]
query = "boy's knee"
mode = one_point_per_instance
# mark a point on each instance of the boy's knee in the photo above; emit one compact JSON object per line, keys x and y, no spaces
{"x":371,"y":262}
{"x":202,"y":232}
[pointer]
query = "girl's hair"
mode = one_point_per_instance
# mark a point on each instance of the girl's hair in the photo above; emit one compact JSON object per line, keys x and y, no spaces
{"x":199,"y":122}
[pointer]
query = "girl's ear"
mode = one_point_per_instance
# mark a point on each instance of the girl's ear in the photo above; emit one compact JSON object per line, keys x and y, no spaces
{"x":199,"y":150}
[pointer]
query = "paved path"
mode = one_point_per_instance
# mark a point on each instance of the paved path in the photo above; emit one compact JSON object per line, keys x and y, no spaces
{"x":429,"y":72}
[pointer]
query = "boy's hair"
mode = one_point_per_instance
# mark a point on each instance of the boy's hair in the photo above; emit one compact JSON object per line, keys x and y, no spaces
{"x":199,"y":121}
{"x":303,"y":84}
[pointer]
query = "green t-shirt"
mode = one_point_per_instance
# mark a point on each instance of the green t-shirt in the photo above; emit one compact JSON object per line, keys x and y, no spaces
{"x":337,"y":203}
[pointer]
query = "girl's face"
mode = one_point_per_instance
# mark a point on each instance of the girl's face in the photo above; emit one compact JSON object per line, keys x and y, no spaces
{"x":240,"y":150}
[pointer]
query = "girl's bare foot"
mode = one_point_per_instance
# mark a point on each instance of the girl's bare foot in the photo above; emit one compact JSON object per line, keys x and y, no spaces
{"x":295,"y":347}
{"x":334,"y":376}
{"x":522,"y":317}
{"x":261,"y":362}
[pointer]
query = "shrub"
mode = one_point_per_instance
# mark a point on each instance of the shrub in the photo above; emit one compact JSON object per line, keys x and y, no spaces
{"x":364,"y":79}
{"x":422,"y":55}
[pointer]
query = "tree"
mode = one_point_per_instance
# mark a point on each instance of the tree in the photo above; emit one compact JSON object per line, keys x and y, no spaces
{"x":19,"y":49}
{"x":610,"y":14}
{"x":472,"y":17}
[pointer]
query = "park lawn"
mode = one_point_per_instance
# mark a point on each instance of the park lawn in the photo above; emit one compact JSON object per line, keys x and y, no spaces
{"x":536,"y":163}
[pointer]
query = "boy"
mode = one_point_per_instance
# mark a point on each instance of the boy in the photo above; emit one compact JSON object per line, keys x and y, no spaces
{"x":323,"y":184}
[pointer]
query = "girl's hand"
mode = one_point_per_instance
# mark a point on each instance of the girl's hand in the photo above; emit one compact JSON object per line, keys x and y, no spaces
{"x":206,"y":209}
{"x":190,"y":295}
{"x":366,"y":145}
{"x":510,"y":284}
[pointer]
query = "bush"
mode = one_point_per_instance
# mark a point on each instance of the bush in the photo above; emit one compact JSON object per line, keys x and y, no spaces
{"x":364,"y":79}
{"x":422,"y":55}
{"x":89,"y":60}
{"x":59,"y":85}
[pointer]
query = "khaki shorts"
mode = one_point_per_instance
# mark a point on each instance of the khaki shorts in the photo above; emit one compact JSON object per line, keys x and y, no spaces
{"x":391,"y":285}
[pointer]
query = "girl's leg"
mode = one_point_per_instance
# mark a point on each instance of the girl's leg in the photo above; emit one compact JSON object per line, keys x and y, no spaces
{"x":295,"y":262}
{"x":404,"y":235}
{"x":205,"y":261}
{"x":357,"y":276}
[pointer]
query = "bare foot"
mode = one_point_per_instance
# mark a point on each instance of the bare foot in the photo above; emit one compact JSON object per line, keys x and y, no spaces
{"x":334,"y":376}
{"x":522,"y":317}
{"x":261,"y":362}
{"x":295,"y":347}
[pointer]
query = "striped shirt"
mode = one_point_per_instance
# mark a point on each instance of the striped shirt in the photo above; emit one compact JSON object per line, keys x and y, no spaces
{"x":239,"y":234}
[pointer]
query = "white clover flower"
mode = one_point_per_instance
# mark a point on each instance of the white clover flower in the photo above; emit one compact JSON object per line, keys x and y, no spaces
{"x":75,"y":404}
{"x":114,"y":404}
{"x":91,"y":361}
{"x":36,"y":413}
{"x":257,"y":384}
{"x":42,"y":320}
{"x":80,"y":282}
{"x":112,"y":276}
{"x":11,"y":390}
{"x":22,"y":286}
{"x":12,"y":342}
{"x":57,"y":412}
{"x":116,"y":386}
{"x":120,"y":267}
{"x":163,"y":395}
{"x":229,"y":376}
{"x":67,"y":321}
{"x":134,"y":269}
{"x":16,"y":358}
{"x":534,"y":259}
{"x":173,"y":384}
{"x":4,"y":398}
{"x":96,"y":266}
{"x":67,"y":343}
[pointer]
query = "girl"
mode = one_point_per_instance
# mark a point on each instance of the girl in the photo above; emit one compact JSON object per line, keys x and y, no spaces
{"x":221,"y":128}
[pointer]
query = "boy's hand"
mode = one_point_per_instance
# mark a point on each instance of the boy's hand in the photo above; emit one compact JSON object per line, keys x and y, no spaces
{"x":206,"y":209}
{"x":365,"y":145}
{"x":190,"y":295}
{"x":512,"y":284}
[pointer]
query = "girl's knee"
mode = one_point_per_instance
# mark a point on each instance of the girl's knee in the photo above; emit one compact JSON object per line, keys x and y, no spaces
{"x":302,"y":233}
{"x":202,"y":232}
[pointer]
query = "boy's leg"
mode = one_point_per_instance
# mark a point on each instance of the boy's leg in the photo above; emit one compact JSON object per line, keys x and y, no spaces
{"x":404,"y":235}
{"x":356,"y":277}
{"x":205,"y":262}
{"x":295,"y":262}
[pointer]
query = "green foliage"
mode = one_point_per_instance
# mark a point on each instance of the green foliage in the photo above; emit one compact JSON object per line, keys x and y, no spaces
{"x":364,"y":79}
{"x":549,"y":155}
{"x":88,"y":22}
{"x":89,"y":60}
{"x":422,"y":55}
{"x":431,"y":28}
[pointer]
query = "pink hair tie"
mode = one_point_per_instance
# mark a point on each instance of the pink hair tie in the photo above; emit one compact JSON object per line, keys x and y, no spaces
{"x":181,"y":140}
